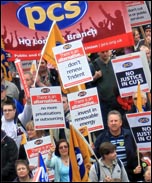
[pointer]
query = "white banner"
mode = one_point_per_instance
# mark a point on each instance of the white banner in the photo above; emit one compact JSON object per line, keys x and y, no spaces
{"x":138,"y":13}
{"x":47,"y":107}
{"x":72,"y":64}
{"x":129,"y":69}
{"x":41,"y":145}
{"x":85,"y":109}
{"x":140,"y":125}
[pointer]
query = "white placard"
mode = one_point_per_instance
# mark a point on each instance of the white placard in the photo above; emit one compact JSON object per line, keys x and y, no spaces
{"x":47,"y":107}
{"x":72,"y":64}
{"x":138,"y":13}
{"x":41,"y":145}
{"x":85,"y":109}
{"x":140,"y":125}
{"x":129,"y":69}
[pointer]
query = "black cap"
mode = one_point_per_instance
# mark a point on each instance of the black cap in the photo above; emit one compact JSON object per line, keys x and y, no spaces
{"x":147,"y":27}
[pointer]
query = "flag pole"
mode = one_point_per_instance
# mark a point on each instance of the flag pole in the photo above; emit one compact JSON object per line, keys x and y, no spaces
{"x":138,"y":156}
{"x":37,"y":71}
{"x":42,"y":52}
{"x":139,"y":102}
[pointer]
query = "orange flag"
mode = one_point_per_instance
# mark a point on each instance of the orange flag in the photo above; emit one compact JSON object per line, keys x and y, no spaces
{"x":80,"y":154}
{"x":53,"y":38}
{"x":139,"y":98}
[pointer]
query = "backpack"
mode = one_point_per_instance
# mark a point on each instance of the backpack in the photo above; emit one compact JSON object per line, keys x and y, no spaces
{"x":97,"y":167}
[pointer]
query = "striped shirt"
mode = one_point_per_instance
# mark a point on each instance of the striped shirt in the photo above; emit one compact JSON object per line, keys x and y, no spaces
{"x":120,"y":148}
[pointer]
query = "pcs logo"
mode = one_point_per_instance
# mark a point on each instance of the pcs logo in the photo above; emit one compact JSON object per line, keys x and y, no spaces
{"x":39,"y":15}
{"x":127,"y":64}
{"x":143,"y":120}
{"x":82,"y":93}
{"x":45,"y":90}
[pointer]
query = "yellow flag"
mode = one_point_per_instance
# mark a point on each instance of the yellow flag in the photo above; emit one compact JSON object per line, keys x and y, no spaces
{"x":84,"y":131}
{"x":33,"y":68}
{"x":139,"y":98}
{"x":53,"y":38}
{"x":24,"y":139}
{"x":80,"y":154}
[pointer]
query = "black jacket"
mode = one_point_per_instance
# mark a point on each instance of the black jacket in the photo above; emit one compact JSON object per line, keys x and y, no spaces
{"x":9,"y":154}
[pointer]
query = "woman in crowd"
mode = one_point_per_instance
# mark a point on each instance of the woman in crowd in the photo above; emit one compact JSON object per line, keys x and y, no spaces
{"x":58,"y":158}
{"x":22,"y":171}
{"x":31,"y":135}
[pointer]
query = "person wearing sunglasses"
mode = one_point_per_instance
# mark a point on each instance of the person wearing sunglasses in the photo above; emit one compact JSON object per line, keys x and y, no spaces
{"x":58,"y":159}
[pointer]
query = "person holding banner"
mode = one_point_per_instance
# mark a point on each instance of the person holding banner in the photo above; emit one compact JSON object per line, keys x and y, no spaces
{"x":23,"y":171}
{"x":14,"y":125}
{"x":30,"y":81}
{"x":64,"y":133}
{"x":31,"y":135}
{"x":48,"y":77}
{"x":125,"y":144}
{"x":58,"y":158}
{"x":106,"y":94}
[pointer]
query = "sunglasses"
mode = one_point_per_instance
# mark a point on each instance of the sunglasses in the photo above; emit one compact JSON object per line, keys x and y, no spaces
{"x":61,"y":147}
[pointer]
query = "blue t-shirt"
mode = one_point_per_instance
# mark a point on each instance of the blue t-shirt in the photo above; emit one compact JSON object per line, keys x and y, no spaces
{"x":64,"y":173}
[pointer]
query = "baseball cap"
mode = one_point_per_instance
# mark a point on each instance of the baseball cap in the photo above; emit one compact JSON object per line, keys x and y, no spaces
{"x":147,"y":27}
{"x":3,"y":88}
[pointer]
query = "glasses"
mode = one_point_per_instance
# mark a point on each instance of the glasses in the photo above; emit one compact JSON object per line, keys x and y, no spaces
{"x":61,"y":147}
{"x":8,"y":110}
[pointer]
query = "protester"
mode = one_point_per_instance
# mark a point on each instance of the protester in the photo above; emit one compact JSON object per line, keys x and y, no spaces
{"x":31,"y":135}
{"x":125,"y":144}
{"x":137,"y":38}
{"x":147,"y":40}
{"x":23,"y":171}
{"x":14,"y":125}
{"x":4,"y":98}
{"x":11,"y":88}
{"x":110,"y":169}
{"x":64,"y":133}
{"x":58,"y":158}
{"x":29,"y":81}
{"x":9,"y":154}
{"x":147,"y":50}
{"x":105,"y":90}
{"x":49,"y":77}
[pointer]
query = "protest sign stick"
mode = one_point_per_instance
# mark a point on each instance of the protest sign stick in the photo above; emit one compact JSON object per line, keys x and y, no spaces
{"x":138,"y":156}
{"x":90,"y":139}
{"x":51,"y":135}
{"x":37,"y":70}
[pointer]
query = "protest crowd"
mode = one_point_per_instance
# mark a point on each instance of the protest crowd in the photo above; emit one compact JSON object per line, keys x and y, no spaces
{"x":99,"y":130}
